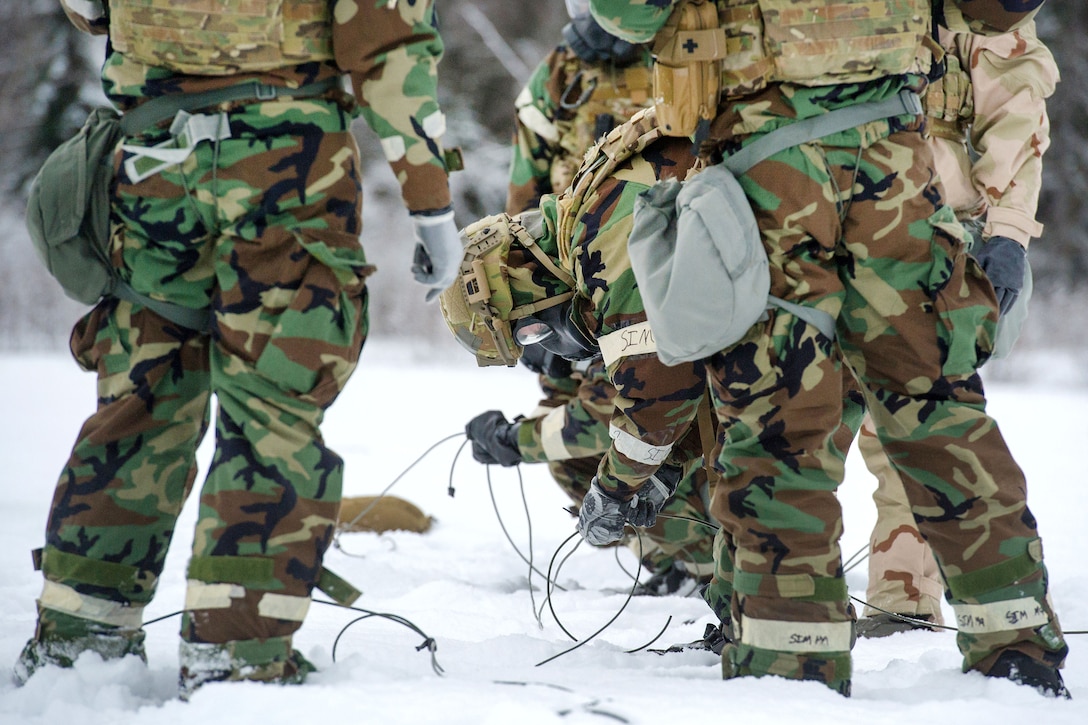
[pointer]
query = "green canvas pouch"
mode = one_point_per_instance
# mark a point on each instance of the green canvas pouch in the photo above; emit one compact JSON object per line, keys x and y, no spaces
{"x":68,"y":209}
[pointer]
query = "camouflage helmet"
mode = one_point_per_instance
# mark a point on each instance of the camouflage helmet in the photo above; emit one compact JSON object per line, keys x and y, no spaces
{"x":510,"y":271}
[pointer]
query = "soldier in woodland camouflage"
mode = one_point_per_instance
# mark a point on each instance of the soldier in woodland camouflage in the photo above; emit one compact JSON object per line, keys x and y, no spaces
{"x":569,"y":432}
{"x":993,"y":95}
{"x":249,"y":208}
{"x":569,"y":102}
{"x":853,"y":224}
{"x":584,"y":88}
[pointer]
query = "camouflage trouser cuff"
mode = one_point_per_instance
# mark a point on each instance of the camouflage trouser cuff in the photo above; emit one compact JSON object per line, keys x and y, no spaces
{"x":831,"y":668}
{"x":119,"y":594}
{"x":65,"y":600}
{"x":215,"y":580}
{"x":219,"y":582}
{"x":55,"y":624}
{"x":129,"y":585}
{"x":814,"y":645}
{"x":256,"y":660}
{"x":986,"y":584}
{"x":1005,"y":605}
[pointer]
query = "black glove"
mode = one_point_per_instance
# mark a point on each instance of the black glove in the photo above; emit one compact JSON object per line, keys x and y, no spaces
{"x":494,"y":439}
{"x":602,"y":515}
{"x":594,"y":44}
{"x":543,"y":362}
{"x":1003,"y":261}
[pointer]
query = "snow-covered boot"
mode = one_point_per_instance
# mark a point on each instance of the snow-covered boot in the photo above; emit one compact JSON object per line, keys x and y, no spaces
{"x":270,"y":660}
{"x":61,"y":638}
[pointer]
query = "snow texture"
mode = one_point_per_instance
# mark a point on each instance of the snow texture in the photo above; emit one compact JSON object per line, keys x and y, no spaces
{"x":464,"y":585}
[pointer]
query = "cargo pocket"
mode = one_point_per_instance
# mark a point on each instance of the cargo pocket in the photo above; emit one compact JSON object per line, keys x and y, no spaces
{"x":317,"y":335}
{"x":963,"y":298}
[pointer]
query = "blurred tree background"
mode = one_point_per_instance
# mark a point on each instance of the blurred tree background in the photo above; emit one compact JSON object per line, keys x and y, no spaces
{"x":48,"y":82}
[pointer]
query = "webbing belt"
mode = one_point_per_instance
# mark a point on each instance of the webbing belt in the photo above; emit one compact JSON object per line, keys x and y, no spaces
{"x":162,"y":108}
{"x":188,"y":317}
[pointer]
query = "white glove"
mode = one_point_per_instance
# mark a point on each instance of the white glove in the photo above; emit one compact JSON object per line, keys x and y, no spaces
{"x":439,"y":251}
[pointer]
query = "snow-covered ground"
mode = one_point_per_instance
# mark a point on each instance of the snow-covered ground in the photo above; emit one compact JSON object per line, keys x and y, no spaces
{"x":464,"y":585}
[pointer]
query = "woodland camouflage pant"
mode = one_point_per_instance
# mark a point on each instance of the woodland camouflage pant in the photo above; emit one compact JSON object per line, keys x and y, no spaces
{"x":862,"y":235}
{"x":264,"y":228}
{"x":719,"y":593}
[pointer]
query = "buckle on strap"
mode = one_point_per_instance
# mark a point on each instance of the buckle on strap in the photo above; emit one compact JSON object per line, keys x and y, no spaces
{"x":265,"y":92}
{"x":912,"y":102}
{"x":186,"y":132}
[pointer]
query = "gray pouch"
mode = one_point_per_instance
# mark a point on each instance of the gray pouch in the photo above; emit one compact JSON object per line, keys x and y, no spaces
{"x":701,"y":268}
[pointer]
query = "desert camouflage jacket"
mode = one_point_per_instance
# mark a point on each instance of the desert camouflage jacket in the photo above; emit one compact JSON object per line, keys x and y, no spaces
{"x":994,"y":98}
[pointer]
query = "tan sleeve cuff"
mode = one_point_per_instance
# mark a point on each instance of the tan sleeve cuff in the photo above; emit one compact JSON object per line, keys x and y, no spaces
{"x":1012,"y":224}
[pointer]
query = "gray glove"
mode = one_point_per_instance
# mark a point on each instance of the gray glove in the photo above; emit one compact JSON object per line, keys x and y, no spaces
{"x":438,"y":252}
{"x":602,"y":515}
{"x":1003,"y":261}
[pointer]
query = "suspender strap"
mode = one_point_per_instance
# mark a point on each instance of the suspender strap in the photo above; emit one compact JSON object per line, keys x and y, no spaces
{"x":708,"y":436}
{"x":906,"y":102}
{"x":819,"y":319}
{"x":161,"y":108}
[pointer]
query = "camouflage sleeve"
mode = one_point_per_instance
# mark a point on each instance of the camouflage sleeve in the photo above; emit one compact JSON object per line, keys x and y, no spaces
{"x":558,"y":391}
{"x":989,"y":17}
{"x":576,"y":429}
{"x":1012,"y":75}
{"x":636,"y":21}
{"x":87,"y":15}
{"x":536,"y":137}
{"x":654,"y":404}
{"x":391,"y":51}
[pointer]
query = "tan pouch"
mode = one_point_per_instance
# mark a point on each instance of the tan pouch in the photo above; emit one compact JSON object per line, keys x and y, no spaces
{"x":687,"y":67}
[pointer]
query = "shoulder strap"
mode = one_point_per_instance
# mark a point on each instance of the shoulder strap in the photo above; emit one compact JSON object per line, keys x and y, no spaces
{"x":906,"y":102}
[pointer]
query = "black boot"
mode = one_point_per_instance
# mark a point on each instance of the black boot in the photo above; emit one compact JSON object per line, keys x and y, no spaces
{"x":1023,"y":670}
{"x":672,"y":580}
{"x":714,"y":639}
